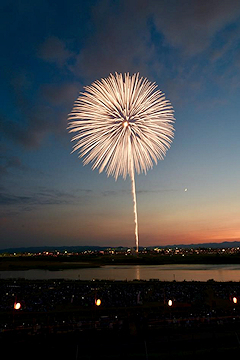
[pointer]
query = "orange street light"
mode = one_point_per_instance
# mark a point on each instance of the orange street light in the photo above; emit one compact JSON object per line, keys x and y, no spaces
{"x":234,"y":300}
{"x":98,"y":302}
{"x":17,"y":305}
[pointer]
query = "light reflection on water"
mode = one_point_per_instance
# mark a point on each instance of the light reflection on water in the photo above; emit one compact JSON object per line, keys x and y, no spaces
{"x":131,"y":272}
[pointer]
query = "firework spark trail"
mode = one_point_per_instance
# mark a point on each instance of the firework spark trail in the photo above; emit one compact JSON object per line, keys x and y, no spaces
{"x":133,"y":192}
{"x":135,"y":208}
{"x":122,"y":125}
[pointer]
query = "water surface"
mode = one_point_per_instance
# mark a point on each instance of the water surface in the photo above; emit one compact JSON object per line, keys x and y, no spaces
{"x":199,"y":272}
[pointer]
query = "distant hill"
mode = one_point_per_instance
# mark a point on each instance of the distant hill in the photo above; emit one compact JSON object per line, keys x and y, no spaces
{"x":36,"y":249}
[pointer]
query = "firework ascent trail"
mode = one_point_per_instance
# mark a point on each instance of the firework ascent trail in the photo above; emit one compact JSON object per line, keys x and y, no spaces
{"x":135,"y":208}
{"x":122,"y":125}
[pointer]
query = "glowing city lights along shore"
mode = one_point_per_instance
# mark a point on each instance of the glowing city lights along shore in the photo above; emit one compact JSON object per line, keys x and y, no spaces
{"x":123,"y":124}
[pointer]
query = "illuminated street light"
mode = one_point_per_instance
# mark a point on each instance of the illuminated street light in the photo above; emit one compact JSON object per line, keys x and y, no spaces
{"x":17,"y":306}
{"x":98,"y":302}
{"x":234,"y":300}
{"x":170,"y":302}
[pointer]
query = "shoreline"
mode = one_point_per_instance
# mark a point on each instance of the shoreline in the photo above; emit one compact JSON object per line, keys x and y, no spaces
{"x":21,"y":262}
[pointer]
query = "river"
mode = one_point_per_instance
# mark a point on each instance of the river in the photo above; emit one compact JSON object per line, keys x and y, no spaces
{"x":139,"y":272}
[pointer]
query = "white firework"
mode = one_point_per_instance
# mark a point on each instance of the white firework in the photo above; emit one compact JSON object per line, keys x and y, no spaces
{"x":123,"y":124}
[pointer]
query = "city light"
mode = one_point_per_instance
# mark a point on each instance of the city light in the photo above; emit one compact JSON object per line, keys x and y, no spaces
{"x":170,"y":302}
{"x":17,"y":306}
{"x":98,"y":302}
{"x":234,"y":300}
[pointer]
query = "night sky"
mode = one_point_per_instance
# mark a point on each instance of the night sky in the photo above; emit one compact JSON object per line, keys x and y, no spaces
{"x":49,"y":51}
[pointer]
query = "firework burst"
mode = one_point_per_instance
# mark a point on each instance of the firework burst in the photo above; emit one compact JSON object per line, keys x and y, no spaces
{"x":123,"y":124}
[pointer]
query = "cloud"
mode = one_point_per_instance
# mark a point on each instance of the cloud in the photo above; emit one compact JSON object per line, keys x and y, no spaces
{"x":8,"y":199}
{"x":36,"y":122}
{"x":60,"y":94}
{"x":54,"y":50}
{"x":13,"y":205}
{"x":192,"y":25}
{"x":110,"y":193}
{"x":141,"y":38}
{"x":119,"y":41}
{"x":140,"y":192}
{"x":43,"y":196}
{"x":36,"y":116}
{"x":10,"y":162}
{"x":39,"y":108}
{"x":129,"y":36}
{"x":122,"y":38}
{"x":227,"y":47}
{"x":34,"y":199}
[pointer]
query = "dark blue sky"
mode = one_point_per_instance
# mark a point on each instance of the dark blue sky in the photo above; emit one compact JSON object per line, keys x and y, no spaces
{"x":50,"y":50}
